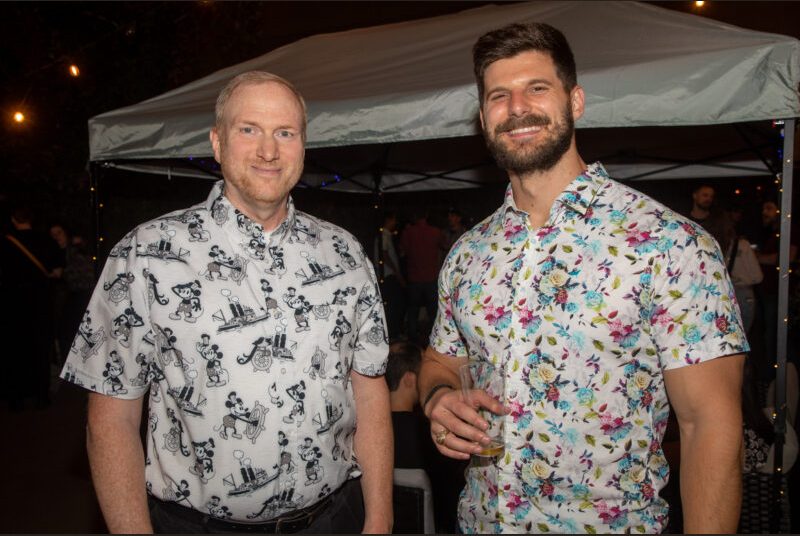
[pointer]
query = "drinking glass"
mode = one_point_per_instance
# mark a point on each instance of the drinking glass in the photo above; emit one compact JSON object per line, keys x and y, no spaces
{"x":483,"y":375}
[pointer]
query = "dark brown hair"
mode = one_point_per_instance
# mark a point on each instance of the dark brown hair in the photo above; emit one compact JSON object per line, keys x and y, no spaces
{"x":508,"y":41}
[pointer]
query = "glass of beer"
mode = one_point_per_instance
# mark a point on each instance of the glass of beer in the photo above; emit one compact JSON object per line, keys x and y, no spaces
{"x":483,"y":375}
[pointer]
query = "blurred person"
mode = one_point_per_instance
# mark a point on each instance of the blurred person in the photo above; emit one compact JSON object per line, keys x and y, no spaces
{"x":28,"y":262}
{"x":602,"y":307}
{"x":72,"y":288}
{"x":253,"y":386}
{"x":455,"y":228}
{"x":745,"y":273}
{"x":705,"y":213}
{"x":421,"y":244}
{"x":412,"y":449}
{"x":767,"y":251}
{"x":393,"y":285}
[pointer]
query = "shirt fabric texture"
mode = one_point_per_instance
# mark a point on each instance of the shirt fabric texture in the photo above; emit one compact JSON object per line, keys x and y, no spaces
{"x":580,"y":318}
{"x":245,"y":340}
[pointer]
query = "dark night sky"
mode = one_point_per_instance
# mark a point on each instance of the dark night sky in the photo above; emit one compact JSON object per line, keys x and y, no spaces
{"x":130,"y":51}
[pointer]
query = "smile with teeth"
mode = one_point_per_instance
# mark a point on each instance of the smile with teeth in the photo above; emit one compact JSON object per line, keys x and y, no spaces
{"x":525,"y":130}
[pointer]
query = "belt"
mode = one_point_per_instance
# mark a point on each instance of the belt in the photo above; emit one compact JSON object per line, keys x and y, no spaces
{"x":291,"y":522}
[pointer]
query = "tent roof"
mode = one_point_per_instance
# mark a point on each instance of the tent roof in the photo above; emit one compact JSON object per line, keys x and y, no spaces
{"x":640,"y":65}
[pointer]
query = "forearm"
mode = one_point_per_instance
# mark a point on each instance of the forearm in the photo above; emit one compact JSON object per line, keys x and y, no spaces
{"x":374,"y":448}
{"x":711,"y":478}
{"x":116,"y":458}
{"x":432,"y":373}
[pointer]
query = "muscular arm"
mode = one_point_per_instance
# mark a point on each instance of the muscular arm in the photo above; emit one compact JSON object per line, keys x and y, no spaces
{"x":374,"y":447}
{"x":116,"y":458}
{"x":707,"y":401}
{"x":446,"y":409}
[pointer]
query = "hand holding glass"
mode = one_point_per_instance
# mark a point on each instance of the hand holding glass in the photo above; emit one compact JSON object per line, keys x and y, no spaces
{"x":484,"y":376}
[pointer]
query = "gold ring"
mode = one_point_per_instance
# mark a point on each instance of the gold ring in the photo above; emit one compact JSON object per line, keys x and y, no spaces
{"x":442,"y":435}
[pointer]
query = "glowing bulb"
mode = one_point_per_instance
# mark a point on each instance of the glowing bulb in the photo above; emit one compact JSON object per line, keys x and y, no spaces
{"x":738,"y":191}
{"x":19,"y":117}
{"x":74,"y":71}
{"x":699,"y":3}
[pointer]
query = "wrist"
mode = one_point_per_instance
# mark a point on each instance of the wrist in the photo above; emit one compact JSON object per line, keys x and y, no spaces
{"x":432,"y":392}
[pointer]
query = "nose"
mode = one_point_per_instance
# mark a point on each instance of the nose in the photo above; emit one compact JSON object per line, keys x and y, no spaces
{"x":518,"y":104}
{"x":268,"y":149}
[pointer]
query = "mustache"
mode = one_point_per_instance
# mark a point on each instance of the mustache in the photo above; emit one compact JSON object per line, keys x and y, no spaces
{"x":513,"y":123}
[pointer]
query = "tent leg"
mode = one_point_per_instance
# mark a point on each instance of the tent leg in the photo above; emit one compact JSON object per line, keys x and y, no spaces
{"x":783,"y":308}
{"x":94,"y":179}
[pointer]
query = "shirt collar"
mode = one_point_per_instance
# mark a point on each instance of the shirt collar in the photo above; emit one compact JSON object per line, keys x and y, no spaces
{"x":579,"y":195}
{"x":279,"y":234}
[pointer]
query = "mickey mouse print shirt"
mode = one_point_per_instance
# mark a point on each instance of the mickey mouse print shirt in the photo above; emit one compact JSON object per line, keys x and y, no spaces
{"x":244,"y":342}
{"x":581,"y":317}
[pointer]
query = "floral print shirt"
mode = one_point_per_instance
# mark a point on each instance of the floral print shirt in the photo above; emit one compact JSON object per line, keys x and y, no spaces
{"x":581,"y":317}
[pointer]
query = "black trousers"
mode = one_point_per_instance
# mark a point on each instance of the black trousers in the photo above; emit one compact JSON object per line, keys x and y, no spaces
{"x":344,"y":515}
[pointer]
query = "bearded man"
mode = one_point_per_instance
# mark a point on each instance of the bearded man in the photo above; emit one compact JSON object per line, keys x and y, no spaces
{"x":589,"y":304}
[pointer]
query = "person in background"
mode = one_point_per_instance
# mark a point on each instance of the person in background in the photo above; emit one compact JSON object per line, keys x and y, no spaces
{"x":393,"y":283}
{"x":28,"y":263}
{"x":73,"y":288}
{"x":767,"y":251}
{"x":706,"y":213}
{"x":421,"y":245}
{"x":745,"y":272}
{"x":412,"y":449}
{"x":602,"y":308}
{"x":455,"y":228}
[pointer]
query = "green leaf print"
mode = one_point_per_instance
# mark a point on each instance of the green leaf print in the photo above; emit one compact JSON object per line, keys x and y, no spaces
{"x":542,"y":527}
{"x":599,"y":345}
{"x":544,"y":437}
{"x":676,"y":294}
{"x":613,"y":250}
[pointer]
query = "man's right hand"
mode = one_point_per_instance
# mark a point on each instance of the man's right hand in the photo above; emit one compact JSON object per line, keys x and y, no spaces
{"x":466,"y":430}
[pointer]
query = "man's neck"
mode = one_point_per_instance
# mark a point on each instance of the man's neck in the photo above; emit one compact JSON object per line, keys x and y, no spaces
{"x":400,"y":400}
{"x":699,"y":213}
{"x":535,"y":192}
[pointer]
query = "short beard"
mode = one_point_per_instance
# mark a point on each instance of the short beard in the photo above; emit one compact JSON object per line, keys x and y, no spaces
{"x":540,"y":158}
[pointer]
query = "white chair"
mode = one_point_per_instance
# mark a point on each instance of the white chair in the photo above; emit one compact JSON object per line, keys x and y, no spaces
{"x":417,"y":479}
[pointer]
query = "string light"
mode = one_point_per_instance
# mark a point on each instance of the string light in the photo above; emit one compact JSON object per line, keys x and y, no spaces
{"x":699,"y":3}
{"x":738,"y":191}
{"x":74,"y":71}
{"x":19,"y":117}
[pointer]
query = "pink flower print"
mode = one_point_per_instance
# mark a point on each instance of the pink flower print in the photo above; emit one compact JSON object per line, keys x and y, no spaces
{"x":722,"y":324}
{"x":610,"y":515}
{"x":561,"y":296}
{"x":552,"y":393}
{"x":689,"y":228}
{"x":647,"y":491}
{"x":547,"y":488}
{"x":637,"y":238}
{"x":514,"y":501}
{"x":624,"y":335}
{"x":660,"y":316}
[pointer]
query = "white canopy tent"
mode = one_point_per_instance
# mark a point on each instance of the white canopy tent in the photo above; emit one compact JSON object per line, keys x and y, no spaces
{"x":370,"y":89}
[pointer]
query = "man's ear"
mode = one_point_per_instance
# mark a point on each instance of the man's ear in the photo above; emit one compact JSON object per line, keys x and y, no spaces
{"x":213,"y":135}
{"x":577,"y":102}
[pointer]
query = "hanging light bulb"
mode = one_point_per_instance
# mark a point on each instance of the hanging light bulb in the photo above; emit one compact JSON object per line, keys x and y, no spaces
{"x":19,"y":117}
{"x":699,"y":3}
{"x":74,"y":71}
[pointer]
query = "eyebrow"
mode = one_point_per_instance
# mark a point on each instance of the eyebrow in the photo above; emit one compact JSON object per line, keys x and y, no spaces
{"x":531,"y":82}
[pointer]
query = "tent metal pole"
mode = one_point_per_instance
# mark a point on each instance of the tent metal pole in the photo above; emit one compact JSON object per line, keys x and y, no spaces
{"x":783,"y":308}
{"x":95,"y":170}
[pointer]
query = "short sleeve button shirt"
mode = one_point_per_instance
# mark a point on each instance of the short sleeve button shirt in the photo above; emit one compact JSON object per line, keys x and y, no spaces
{"x":245,"y":341}
{"x":581,"y":317}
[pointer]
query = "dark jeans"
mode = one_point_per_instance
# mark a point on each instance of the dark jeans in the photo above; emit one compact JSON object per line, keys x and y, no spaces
{"x":344,"y":515}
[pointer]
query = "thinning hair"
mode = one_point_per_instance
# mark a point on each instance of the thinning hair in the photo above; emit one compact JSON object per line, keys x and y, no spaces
{"x":513,"y":39}
{"x":403,"y":357}
{"x":252,"y":78}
